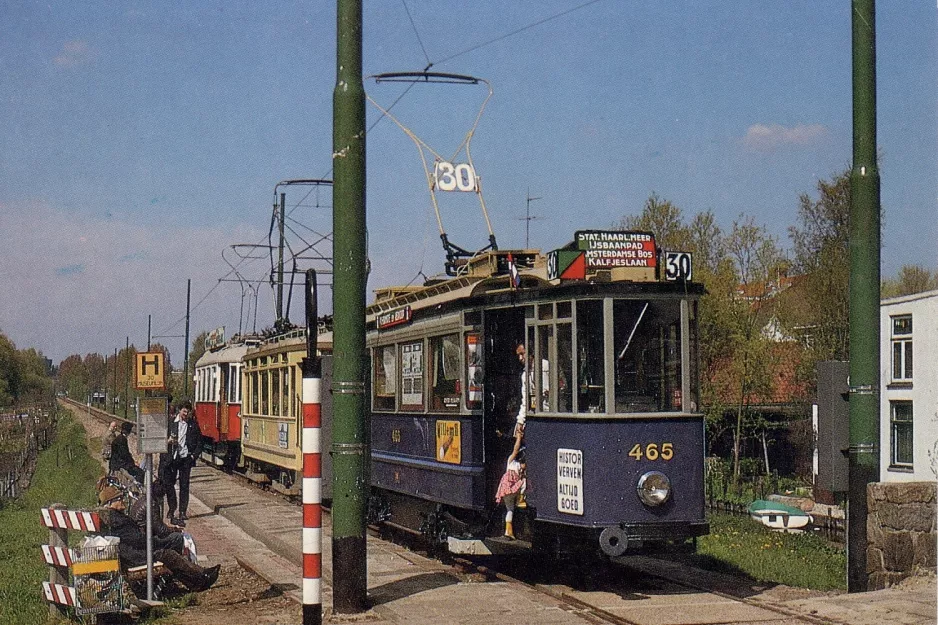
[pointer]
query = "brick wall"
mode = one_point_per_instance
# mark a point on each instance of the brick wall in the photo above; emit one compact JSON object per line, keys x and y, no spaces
{"x":901,"y":531}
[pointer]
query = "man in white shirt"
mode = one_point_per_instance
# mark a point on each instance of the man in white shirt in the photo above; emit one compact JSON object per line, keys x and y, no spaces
{"x":184,"y":447}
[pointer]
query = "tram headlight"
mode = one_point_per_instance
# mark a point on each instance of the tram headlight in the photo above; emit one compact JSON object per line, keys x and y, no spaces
{"x":654,"y":488}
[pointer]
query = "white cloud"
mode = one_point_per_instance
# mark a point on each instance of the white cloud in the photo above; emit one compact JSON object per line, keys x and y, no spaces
{"x":71,"y":283}
{"x":766,"y":138}
{"x":75,"y":52}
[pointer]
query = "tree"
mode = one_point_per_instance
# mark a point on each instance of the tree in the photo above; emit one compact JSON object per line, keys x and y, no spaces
{"x":822,"y":253}
{"x":911,"y":279}
{"x":757,"y":260}
{"x":35,"y":384}
{"x":663,"y":219}
{"x":9,"y":373}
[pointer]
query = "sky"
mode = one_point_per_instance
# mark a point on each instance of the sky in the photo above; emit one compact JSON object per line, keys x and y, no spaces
{"x":141,"y":142}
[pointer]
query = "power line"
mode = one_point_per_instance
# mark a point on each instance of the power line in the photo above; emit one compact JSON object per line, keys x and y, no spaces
{"x":514,"y":32}
{"x":411,"y":18}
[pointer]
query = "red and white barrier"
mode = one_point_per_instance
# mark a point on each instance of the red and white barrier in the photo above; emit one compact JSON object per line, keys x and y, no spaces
{"x":312,"y":500}
{"x":59,"y":593}
{"x":57,"y":556}
{"x":71,"y":520}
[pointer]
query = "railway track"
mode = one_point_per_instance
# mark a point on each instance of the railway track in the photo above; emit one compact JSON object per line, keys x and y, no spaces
{"x":634,"y":590}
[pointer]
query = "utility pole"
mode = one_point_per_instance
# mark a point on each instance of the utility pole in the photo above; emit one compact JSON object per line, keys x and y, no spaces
{"x":350,"y":421}
{"x":280,"y":218}
{"x":185,"y":366}
{"x":130,"y":365}
{"x":528,"y":218}
{"x":149,"y":329}
{"x":113,"y":409}
{"x":864,"y":293}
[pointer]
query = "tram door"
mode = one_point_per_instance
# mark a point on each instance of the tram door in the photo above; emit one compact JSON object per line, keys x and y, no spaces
{"x":504,"y":331}
{"x":222,"y":417}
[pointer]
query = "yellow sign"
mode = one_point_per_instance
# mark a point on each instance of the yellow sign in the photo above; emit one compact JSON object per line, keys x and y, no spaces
{"x":150,"y":374}
{"x":448,"y":443}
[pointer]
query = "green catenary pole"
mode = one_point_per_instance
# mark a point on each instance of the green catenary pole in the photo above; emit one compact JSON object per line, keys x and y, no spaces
{"x":864,"y":293}
{"x":350,"y":421}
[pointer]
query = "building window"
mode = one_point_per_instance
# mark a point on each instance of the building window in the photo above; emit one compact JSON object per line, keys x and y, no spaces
{"x":902,"y":348}
{"x":901,"y":429}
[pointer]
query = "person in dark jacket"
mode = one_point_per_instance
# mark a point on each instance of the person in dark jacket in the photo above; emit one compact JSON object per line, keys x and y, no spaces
{"x":121,"y":457}
{"x":183,"y":448}
{"x":132,"y":549}
{"x":164,"y":536}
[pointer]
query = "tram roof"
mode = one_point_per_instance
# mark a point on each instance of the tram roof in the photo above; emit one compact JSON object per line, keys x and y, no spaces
{"x":228,"y":353}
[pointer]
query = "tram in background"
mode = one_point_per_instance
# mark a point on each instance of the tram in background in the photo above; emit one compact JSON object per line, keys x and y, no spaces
{"x":217,"y":398}
{"x":614,"y":436}
{"x":272,"y":409}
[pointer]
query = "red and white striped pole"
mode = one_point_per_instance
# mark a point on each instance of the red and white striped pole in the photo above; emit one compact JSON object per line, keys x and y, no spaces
{"x":312,"y":463}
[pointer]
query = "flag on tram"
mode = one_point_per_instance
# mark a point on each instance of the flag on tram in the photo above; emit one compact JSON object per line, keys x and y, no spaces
{"x":513,"y":272}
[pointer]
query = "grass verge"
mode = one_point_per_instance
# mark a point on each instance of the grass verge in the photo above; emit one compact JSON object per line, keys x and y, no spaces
{"x":65,"y":473}
{"x":739,"y":545}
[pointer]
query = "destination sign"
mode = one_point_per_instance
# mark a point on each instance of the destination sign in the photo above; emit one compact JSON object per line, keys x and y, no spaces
{"x":394,"y":318}
{"x":608,"y":249}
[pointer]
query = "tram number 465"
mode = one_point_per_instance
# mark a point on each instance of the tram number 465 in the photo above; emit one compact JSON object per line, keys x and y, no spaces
{"x":652,"y":451}
{"x":454,"y":177}
{"x":678,"y":266}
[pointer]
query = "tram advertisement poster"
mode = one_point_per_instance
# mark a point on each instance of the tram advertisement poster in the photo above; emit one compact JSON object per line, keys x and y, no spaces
{"x":448,"y":442}
{"x":412,"y":374}
{"x":606,"y":249}
{"x":152,"y":425}
{"x":570,"y":481}
{"x":474,"y":371}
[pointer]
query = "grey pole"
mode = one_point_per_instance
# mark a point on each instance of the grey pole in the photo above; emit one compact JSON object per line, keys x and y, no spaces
{"x":185,"y":368}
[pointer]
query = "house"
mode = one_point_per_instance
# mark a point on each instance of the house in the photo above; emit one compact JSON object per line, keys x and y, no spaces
{"x":909,"y":381}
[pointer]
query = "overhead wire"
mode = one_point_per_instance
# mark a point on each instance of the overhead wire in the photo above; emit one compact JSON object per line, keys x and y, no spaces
{"x":514,"y":32}
{"x":429,"y":65}
{"x":420,"y":41}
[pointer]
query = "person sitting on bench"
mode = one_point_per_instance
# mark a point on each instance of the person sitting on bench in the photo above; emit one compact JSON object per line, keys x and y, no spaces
{"x":132,"y":550}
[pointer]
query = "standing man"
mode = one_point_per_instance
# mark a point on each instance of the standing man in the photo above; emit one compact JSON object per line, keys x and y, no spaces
{"x":183,"y":449}
{"x":108,"y":439}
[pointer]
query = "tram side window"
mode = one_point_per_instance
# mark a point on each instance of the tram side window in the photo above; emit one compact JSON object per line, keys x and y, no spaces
{"x":445,"y":391}
{"x":591,"y":371}
{"x":285,"y":394}
{"x":412,"y":376}
{"x":234,"y":386}
{"x":265,"y":392}
{"x":647,"y":341}
{"x":564,"y":367}
{"x":254,"y":392}
{"x":385,"y":386}
{"x":275,"y":393}
{"x":474,"y":374}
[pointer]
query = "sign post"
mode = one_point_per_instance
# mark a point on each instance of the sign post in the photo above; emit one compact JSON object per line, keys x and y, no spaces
{"x":151,"y":435}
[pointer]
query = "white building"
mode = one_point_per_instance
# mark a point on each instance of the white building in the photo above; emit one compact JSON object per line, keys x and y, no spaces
{"x":909,"y":379}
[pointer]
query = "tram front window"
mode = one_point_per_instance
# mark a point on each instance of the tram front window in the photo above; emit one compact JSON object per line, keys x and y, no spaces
{"x":647,"y":341}
{"x":591,"y":395}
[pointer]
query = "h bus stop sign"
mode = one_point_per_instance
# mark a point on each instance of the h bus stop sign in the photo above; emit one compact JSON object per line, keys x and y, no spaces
{"x":152,"y":425}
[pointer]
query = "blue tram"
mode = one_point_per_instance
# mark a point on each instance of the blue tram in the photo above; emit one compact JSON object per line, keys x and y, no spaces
{"x":614,"y":438}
